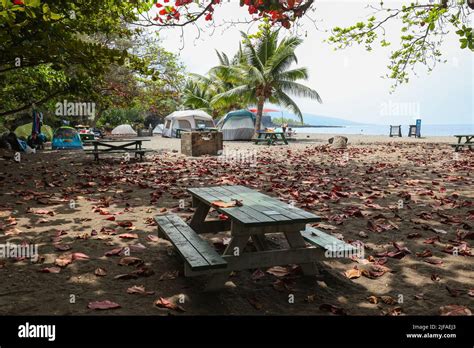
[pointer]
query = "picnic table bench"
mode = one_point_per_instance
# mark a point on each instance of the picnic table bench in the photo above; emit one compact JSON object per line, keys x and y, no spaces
{"x":255,"y":216}
{"x":467,"y":143}
{"x":106,"y":146}
{"x":271,"y":138}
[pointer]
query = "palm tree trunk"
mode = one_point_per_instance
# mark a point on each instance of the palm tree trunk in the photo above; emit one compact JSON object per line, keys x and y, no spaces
{"x":258,"y":120}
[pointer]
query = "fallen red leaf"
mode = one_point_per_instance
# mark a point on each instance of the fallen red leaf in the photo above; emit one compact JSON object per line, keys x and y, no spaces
{"x":103,"y":305}
{"x":128,"y":235}
{"x":165,"y":303}
{"x":454,"y":310}
{"x":115,"y":251}
{"x":100,"y":272}
{"x":51,"y":270}
{"x":333,"y":309}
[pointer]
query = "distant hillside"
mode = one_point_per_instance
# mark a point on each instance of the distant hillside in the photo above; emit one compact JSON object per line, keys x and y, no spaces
{"x":317,"y":120}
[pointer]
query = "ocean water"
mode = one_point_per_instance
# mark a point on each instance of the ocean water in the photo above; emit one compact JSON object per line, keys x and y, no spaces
{"x":426,"y":130}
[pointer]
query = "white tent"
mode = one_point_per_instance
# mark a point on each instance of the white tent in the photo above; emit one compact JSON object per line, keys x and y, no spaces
{"x":187,"y":120}
{"x":237,"y":125}
{"x":124,"y":129}
{"x":158,"y":129}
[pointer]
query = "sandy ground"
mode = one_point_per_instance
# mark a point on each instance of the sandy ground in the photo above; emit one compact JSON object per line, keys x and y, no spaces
{"x":357,"y":191}
{"x":305,"y":139}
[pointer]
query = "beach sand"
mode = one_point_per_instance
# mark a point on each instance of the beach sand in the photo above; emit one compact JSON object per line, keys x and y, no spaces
{"x":356,"y":191}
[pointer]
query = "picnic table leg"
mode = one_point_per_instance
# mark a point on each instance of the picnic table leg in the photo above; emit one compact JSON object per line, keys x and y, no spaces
{"x":284,"y":139}
{"x":260,"y":242}
{"x":96,"y":152}
{"x":202,"y":209}
{"x":295,"y":240}
{"x":235,"y":247}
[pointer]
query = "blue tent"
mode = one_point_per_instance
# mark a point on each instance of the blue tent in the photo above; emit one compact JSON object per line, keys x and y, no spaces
{"x":66,"y":138}
{"x":237,"y":125}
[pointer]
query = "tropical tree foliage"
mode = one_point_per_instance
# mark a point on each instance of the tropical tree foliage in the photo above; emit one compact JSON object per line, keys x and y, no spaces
{"x":266,"y":74}
{"x":200,"y":90}
{"x":82,"y":50}
{"x":424,"y":26}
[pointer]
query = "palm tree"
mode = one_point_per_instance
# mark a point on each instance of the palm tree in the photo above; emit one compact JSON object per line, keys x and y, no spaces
{"x":200,"y":90}
{"x":265,"y":75}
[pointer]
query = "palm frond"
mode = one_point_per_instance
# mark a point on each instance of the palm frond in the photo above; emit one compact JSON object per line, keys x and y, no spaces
{"x":235,"y":95}
{"x":285,"y":101}
{"x":298,"y":90}
{"x":293,"y":74}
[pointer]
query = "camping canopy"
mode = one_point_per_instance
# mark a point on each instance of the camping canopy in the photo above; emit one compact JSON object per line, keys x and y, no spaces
{"x":124,"y":129}
{"x":237,"y":125}
{"x":25,"y":131}
{"x":186,"y":119}
{"x":66,"y":138}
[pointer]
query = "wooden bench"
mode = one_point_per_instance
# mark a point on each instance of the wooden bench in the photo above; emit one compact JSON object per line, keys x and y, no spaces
{"x":328,"y":242}
{"x":197,"y":253}
{"x":138,"y":152}
{"x":457,"y":147}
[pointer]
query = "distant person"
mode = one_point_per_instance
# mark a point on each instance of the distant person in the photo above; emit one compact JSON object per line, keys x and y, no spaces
{"x":284,"y":126}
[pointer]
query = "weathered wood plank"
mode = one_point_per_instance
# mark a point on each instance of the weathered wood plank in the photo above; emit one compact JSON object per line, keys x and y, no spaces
{"x":235,"y":248}
{"x":326,"y":241}
{"x":201,"y":246}
{"x":263,"y":200}
{"x":196,"y":252}
{"x":213,"y":226}
{"x":187,"y":251}
{"x":268,"y":258}
{"x":296,"y":241}
{"x":263,"y":204}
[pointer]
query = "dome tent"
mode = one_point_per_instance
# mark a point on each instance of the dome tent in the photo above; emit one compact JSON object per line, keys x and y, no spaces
{"x":187,"y":120}
{"x":66,"y":138}
{"x":124,"y":129}
{"x":158,"y":129}
{"x":25,"y":131}
{"x":237,"y":125}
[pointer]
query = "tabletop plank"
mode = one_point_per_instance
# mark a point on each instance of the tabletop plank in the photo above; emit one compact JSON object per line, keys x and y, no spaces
{"x":257,"y":208}
{"x":270,"y":202}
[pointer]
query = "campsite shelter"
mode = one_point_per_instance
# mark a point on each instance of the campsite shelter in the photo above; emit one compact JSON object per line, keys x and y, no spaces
{"x":237,"y":125}
{"x":66,"y":138}
{"x":186,"y":120}
{"x":158,"y":129}
{"x":124,"y":129}
{"x":25,"y":131}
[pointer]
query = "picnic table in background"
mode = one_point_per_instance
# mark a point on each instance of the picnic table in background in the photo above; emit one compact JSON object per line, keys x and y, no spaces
{"x":469,"y":142}
{"x":105,"y":146}
{"x":251,"y":215}
{"x":270,"y":138}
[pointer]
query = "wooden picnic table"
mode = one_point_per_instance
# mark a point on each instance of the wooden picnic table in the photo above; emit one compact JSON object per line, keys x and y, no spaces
{"x":129,"y":145}
{"x":270,"y":138}
{"x":460,"y":144}
{"x":255,"y":216}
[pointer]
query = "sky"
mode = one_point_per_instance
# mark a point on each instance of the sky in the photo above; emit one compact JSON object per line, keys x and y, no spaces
{"x":349,"y":81}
